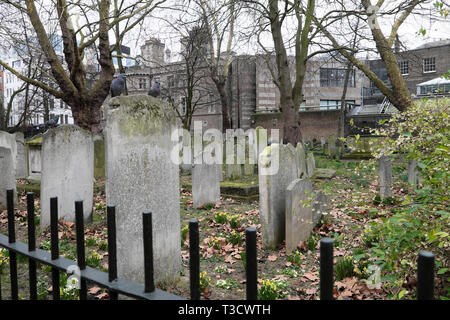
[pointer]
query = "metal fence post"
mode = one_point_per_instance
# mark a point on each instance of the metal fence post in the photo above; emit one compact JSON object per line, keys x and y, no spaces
{"x":148,"y":252}
{"x":425,"y":276}
{"x":81,"y":255}
{"x":12,"y":239}
{"x":251,"y":268}
{"x":54,"y":248}
{"x":31,"y":246}
{"x":326,"y":269}
{"x":112,"y":249}
{"x":194,"y":260}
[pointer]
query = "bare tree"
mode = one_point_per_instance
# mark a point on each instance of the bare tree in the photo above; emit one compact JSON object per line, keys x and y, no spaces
{"x":193,"y":74}
{"x":372,"y":14}
{"x":69,"y":76}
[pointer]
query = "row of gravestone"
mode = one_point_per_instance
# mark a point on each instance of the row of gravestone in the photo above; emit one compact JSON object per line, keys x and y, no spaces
{"x":140,"y":176}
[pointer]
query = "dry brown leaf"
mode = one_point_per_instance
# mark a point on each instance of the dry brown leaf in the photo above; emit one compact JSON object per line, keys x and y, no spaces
{"x":272,"y":258}
{"x":94,"y":290}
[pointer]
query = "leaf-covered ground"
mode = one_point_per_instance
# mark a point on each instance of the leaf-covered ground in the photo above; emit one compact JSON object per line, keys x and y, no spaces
{"x":222,"y":227}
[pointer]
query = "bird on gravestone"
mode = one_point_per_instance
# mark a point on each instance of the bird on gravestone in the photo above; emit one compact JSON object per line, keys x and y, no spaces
{"x":53,"y":121}
{"x":118,"y":85}
{"x":154,"y":90}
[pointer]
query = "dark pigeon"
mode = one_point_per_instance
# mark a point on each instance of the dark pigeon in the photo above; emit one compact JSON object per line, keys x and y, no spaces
{"x":53,"y":121}
{"x":154,"y":90}
{"x":118,"y":85}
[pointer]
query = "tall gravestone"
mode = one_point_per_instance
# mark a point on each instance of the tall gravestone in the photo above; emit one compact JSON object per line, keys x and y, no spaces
{"x":385,"y":177}
{"x":412,"y":173}
{"x":310,"y":164}
{"x":301,"y":161}
{"x":332,"y":146}
{"x":7,"y":176}
{"x":141,"y":176}
{"x":21,"y":158}
{"x":276,"y":169}
{"x":205,"y":184}
{"x":299,"y":214}
{"x":67,"y":172}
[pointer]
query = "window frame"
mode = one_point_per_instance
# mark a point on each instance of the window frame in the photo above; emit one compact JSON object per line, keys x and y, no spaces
{"x":429,"y":64}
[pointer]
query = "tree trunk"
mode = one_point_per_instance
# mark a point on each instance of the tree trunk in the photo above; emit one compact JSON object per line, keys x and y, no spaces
{"x":226,"y":123}
{"x":87,"y":117}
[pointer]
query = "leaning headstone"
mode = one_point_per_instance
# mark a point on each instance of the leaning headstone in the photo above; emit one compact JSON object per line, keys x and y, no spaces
{"x":385,"y":178}
{"x":310,"y":164}
{"x":7,"y":176}
{"x":67,"y":172}
{"x":322,"y":141}
{"x":141,"y":176}
{"x":276,"y":169}
{"x":321,"y":206}
{"x":412,"y":172}
{"x":205,"y":184}
{"x":332,"y":146}
{"x":299,"y":215}
{"x":21,"y":157}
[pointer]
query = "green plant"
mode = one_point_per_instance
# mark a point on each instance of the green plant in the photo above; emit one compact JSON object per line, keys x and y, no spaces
{"x":68,"y":290}
{"x":221,"y":269}
{"x":290,"y":272}
{"x":295,"y":257}
{"x":271,"y":289}
{"x":221,"y":217}
{"x":204,"y":281}
{"x":184,"y":233}
{"x":312,"y":242}
{"x":91,"y":241}
{"x":93,"y":259}
{"x":234,"y":237}
{"x":226,"y":284}
{"x":45,"y":245}
{"x":344,"y":268}
{"x":234,"y":220}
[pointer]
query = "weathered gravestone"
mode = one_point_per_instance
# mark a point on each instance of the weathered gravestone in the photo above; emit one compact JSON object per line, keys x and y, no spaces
{"x":385,"y":177}
{"x":67,"y":172}
{"x":412,"y":172}
{"x":8,"y":157}
{"x":21,"y":157}
{"x":234,"y":154}
{"x":7,"y":176}
{"x":205,"y":184}
{"x":301,"y":161}
{"x":299,"y":214}
{"x":332,"y":146}
{"x":310,"y":164}
{"x":276,"y":169}
{"x":321,"y":206}
{"x":141,"y":176}
{"x":34,"y":161}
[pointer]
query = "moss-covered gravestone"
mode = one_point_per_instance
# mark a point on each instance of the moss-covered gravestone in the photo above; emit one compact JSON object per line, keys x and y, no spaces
{"x":141,"y":176}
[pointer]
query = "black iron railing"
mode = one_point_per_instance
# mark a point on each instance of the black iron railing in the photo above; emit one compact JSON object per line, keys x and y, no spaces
{"x":116,"y":286}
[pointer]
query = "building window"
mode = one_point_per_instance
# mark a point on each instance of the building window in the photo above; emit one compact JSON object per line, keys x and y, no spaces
{"x":333,"y":104}
{"x":335,"y":77}
{"x":171,"y":81}
{"x":429,"y":65}
{"x":404,"y":67}
{"x":211,"y":108}
{"x":52,"y":104}
{"x":142,"y":83}
{"x":66,"y":119}
{"x":61,"y":119}
{"x":16,"y":64}
{"x":61,"y":104}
